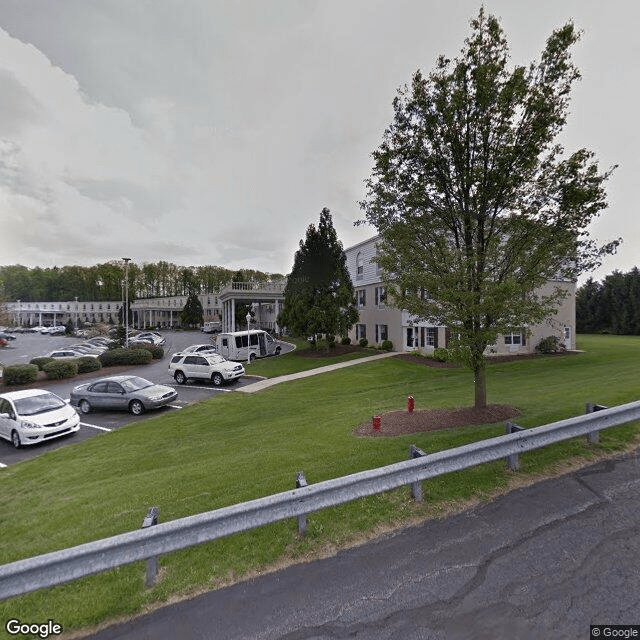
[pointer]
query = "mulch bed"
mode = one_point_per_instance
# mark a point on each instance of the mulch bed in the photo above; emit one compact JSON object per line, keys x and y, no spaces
{"x":397,"y":423}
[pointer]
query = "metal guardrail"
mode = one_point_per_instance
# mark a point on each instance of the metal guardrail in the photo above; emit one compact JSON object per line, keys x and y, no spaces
{"x":62,"y":566}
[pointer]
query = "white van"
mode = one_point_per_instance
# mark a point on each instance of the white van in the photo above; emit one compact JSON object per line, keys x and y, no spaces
{"x":211,"y":327}
{"x":235,"y":345}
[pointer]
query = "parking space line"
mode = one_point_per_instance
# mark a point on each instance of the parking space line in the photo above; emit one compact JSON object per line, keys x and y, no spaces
{"x":174,"y":406}
{"x":94,"y":426}
{"x":194,"y":386}
{"x":2,"y":466}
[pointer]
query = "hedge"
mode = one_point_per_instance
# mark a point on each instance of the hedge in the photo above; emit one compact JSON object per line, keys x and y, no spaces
{"x":115,"y":357}
{"x":20,"y":374}
{"x":157,"y":352}
{"x":59,"y":369}
{"x":40,"y":362}
{"x":88,"y":363}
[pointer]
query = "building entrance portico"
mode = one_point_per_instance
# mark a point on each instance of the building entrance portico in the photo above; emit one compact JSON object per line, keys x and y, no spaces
{"x":265,"y":298}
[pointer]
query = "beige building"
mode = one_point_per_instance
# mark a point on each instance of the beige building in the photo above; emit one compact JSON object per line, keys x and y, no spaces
{"x":380,"y":321}
{"x":56,"y":313}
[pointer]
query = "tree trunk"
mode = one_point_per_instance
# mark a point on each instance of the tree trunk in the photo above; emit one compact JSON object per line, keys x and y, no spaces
{"x":480,"y":379}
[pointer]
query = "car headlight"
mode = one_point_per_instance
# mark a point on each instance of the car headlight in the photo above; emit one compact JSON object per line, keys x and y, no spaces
{"x":29,"y":425}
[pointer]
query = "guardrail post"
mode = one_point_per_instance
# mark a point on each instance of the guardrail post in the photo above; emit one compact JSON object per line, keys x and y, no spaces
{"x":416,"y":487}
{"x":152,"y":563}
{"x":594,"y":436}
{"x":301,"y":481}
{"x":513,"y":461}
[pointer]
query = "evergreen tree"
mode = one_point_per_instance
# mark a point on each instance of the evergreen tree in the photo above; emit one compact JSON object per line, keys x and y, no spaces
{"x":319,"y":296}
{"x":192,"y":314}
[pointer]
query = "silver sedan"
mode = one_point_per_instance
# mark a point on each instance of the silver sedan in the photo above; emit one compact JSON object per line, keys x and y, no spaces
{"x":125,"y":393}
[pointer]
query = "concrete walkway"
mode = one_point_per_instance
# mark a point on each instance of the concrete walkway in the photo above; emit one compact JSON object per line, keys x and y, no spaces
{"x":270,"y":382}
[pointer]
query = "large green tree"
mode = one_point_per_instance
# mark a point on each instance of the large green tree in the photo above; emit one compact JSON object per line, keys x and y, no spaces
{"x":319,"y":296}
{"x":476,"y":203}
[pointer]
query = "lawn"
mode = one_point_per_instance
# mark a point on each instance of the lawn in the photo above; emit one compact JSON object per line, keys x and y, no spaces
{"x":238,"y":447}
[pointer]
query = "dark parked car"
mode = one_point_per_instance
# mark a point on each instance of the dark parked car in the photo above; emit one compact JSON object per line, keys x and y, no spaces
{"x":126,"y":393}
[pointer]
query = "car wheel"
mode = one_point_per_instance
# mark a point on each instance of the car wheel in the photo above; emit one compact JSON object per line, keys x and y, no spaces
{"x":277,"y":351}
{"x":180,"y":378}
{"x":217,"y":379}
{"x":15,"y":439}
{"x":84,"y":406}
{"x":136,"y":407}
{"x":252,"y":357}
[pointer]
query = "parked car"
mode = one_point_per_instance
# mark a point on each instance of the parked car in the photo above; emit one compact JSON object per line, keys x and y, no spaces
{"x":58,"y":330}
{"x":68,"y":354}
{"x":136,"y":340}
{"x":204,"y":366}
{"x":6,"y":336}
{"x":88,"y":349}
{"x":126,"y":393}
{"x":155,"y":337}
{"x":35,"y":415}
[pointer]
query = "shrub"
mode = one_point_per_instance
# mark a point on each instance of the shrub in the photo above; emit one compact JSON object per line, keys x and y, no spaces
{"x":40,"y":362}
{"x":363,"y":342}
{"x":441,"y":354}
{"x":345,"y":340}
{"x":116,"y":357}
{"x":331,"y":341}
{"x":156,"y":351}
{"x":59,"y":369}
{"x":387,"y":345}
{"x":550,"y":344}
{"x":20,"y":374}
{"x":88,"y":363}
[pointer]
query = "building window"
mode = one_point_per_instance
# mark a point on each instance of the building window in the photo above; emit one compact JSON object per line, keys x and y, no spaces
{"x":359,"y":267}
{"x":514,"y":338}
{"x":361,"y":332}
{"x":381,"y":297}
{"x":429,"y":337}
{"x":382,"y":333}
{"x":361,"y":298}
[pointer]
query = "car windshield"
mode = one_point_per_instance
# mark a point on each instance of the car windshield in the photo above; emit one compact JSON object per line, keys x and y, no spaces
{"x":135,"y":384}
{"x":32,"y":405}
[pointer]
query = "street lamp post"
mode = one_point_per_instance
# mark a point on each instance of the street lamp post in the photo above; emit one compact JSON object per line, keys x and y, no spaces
{"x":75,"y":318}
{"x":126,"y":301}
{"x":248,"y":338}
{"x":19,"y":313}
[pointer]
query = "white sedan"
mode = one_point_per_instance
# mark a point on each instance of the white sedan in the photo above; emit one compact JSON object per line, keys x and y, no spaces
{"x":31,"y":416}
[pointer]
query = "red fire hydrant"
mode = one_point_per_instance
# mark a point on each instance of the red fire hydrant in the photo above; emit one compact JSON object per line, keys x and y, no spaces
{"x":376,"y":422}
{"x":410,"y":404}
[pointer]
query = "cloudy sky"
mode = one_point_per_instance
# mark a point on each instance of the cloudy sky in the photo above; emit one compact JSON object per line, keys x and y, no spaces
{"x":214,"y":132}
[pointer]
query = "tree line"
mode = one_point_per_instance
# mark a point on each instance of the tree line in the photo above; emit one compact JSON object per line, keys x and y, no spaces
{"x":610,"y":306}
{"x":103,"y":282}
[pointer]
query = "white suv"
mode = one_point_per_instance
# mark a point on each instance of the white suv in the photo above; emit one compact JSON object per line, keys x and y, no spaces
{"x":204,"y":366}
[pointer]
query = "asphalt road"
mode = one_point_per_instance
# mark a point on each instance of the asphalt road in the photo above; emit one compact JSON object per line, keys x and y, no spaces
{"x":29,"y":345}
{"x":540,"y":563}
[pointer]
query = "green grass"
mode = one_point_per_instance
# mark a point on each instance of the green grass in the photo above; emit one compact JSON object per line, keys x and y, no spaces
{"x":298,"y":360}
{"x":238,"y":447}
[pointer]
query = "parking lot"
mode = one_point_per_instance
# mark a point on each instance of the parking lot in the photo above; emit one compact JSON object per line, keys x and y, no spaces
{"x":31,"y":345}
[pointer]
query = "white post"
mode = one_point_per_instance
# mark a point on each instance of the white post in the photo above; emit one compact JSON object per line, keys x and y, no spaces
{"x":126,"y":301}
